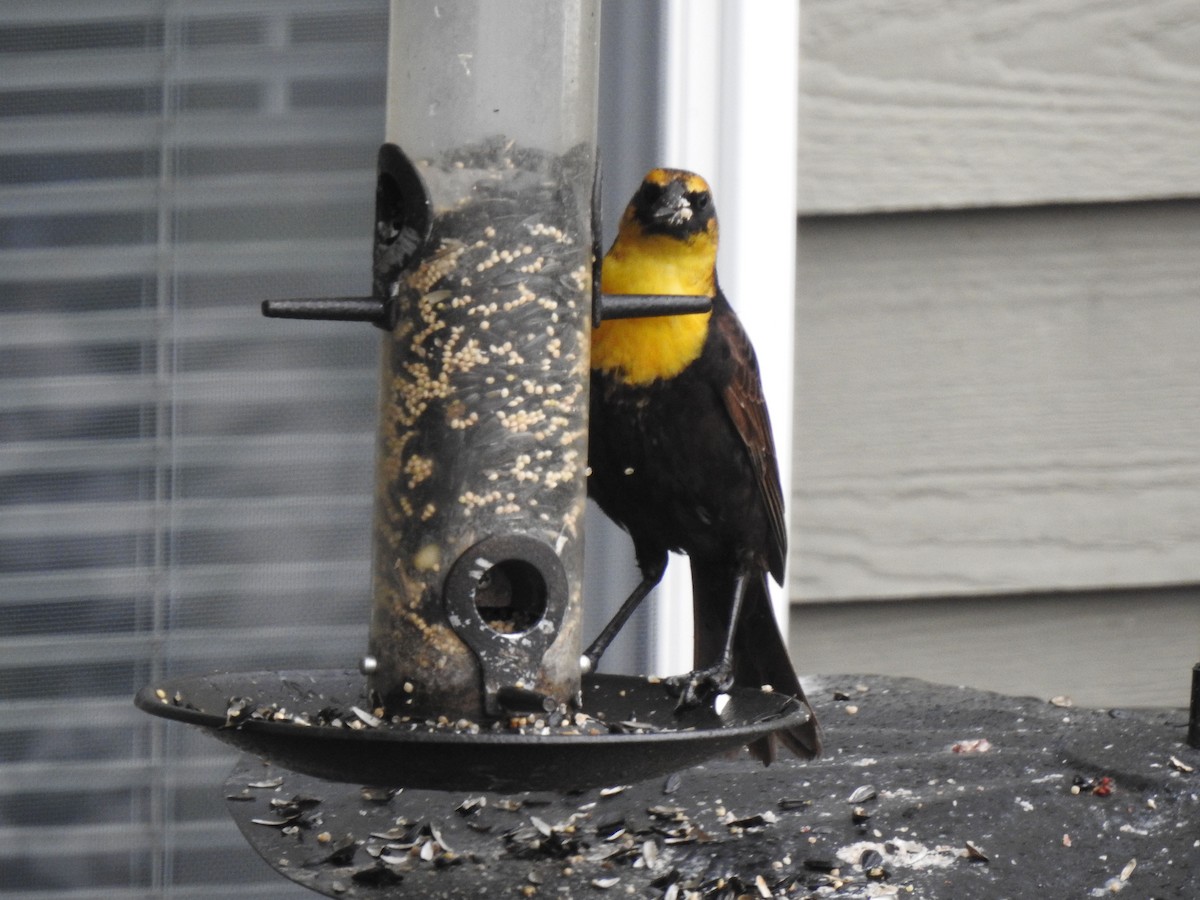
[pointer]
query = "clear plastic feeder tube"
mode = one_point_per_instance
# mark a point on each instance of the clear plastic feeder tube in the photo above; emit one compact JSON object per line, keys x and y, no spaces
{"x":482,"y":446}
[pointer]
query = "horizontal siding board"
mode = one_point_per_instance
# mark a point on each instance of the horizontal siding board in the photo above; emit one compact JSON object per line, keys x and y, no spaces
{"x":953,"y":103}
{"x":1102,"y":649}
{"x":998,"y":401}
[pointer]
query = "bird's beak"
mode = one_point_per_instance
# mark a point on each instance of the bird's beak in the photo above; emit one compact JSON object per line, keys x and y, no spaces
{"x":673,"y":207}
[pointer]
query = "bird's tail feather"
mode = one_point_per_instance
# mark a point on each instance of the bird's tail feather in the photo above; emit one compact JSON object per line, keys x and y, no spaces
{"x":760,"y":655}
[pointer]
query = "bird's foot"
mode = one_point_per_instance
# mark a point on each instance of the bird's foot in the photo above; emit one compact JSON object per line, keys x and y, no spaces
{"x":700,"y":685}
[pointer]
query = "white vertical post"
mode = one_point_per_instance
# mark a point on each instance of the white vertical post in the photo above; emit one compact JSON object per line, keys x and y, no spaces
{"x":761,"y":72}
{"x":729,"y":103}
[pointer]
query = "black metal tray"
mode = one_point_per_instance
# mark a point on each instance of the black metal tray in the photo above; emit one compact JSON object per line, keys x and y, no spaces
{"x":648,"y":737}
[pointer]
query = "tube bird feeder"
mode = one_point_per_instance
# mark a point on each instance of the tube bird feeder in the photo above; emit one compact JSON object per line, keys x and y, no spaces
{"x":485,"y":256}
{"x":482,"y":440}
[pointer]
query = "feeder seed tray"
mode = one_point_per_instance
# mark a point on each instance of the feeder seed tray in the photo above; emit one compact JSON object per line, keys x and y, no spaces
{"x":319,"y":723}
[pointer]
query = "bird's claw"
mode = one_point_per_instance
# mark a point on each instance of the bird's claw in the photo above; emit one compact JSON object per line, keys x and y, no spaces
{"x":700,"y":685}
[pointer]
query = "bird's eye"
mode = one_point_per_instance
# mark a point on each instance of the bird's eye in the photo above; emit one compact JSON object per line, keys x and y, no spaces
{"x":699,"y":200}
{"x":650,"y":192}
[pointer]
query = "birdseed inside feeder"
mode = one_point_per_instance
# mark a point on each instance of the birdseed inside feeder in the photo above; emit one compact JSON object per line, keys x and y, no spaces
{"x":482,"y":440}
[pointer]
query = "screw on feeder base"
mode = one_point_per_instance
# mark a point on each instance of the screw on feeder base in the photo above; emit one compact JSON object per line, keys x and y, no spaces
{"x":517,"y":700}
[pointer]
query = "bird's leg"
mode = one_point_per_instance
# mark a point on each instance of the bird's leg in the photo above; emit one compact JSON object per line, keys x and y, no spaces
{"x":698,"y":685}
{"x":652,"y":573}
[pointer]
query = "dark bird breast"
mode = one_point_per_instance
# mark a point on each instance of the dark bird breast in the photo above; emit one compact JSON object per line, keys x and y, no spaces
{"x":668,"y":464}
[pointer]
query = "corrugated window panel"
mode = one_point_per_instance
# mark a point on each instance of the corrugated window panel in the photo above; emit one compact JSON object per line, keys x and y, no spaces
{"x":184,"y":485}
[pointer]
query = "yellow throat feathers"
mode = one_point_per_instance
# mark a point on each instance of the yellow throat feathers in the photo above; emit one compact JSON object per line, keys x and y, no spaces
{"x":639,"y":351}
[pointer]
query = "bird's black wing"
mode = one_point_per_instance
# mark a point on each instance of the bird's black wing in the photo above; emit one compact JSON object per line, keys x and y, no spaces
{"x":747,"y":408}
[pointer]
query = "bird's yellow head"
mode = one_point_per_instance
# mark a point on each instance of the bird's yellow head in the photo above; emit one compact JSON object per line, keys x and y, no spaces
{"x":675,"y":204}
{"x":668,"y":232}
{"x":666,"y":244}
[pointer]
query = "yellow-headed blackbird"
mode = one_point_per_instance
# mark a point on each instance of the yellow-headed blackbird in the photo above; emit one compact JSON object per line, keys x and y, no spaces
{"x":681,"y":452}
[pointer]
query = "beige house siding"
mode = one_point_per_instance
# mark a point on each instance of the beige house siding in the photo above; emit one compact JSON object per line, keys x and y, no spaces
{"x":960,"y":103}
{"x":997,"y":403}
{"x":1104,"y":648}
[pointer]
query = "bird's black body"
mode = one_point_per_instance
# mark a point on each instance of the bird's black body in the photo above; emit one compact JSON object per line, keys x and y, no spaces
{"x":684,"y":461}
{"x":668,"y":465}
